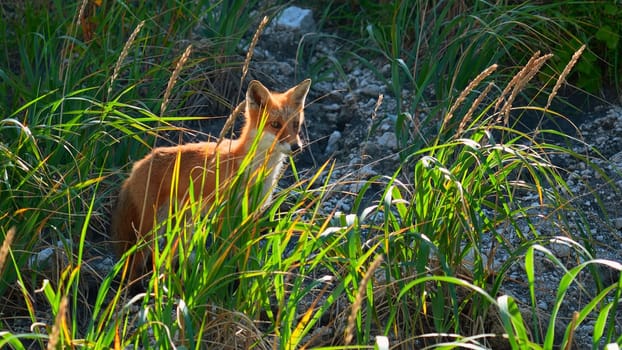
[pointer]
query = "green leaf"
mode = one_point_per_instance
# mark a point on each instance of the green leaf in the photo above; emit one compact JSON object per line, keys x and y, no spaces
{"x":513,"y":322}
{"x":601,"y":323}
{"x":607,"y":35}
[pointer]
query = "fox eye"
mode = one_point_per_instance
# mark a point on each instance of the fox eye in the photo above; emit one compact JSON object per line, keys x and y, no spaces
{"x":276,"y":125}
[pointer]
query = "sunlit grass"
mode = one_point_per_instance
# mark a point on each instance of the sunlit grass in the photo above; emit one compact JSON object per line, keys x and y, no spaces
{"x":413,"y":262}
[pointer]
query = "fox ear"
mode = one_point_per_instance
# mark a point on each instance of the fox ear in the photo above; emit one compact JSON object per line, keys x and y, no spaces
{"x":257,"y":95}
{"x":299,"y":92}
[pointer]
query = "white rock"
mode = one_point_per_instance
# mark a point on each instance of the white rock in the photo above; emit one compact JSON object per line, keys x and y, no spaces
{"x":296,"y":18}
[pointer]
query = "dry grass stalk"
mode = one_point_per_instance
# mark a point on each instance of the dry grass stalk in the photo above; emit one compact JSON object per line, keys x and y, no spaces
{"x":303,"y":320}
{"x":518,"y":83}
{"x":239,"y":109}
{"x":374,"y":114}
{"x":474,"y":106}
{"x":81,"y":11}
{"x":251,"y":48}
{"x":6,"y":245}
{"x":247,"y":61}
{"x":377,"y":107}
{"x":360,"y":295}
{"x":227,"y":329}
{"x":173,"y":79}
{"x":69,"y":44}
{"x":515,"y":79}
{"x":562,"y":77}
{"x":364,"y":156}
{"x":123,"y":55}
{"x":575,"y":315}
{"x":59,"y":322}
{"x":478,"y":79}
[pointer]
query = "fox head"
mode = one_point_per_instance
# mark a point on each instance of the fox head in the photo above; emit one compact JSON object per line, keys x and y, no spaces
{"x":281,"y":115}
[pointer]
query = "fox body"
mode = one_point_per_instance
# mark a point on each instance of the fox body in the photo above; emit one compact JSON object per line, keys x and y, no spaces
{"x":272,"y":120}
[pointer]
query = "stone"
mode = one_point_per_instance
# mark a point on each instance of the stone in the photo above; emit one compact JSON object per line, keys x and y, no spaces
{"x":388,"y":139}
{"x":296,"y":18}
{"x":285,"y":34}
{"x":333,"y":139}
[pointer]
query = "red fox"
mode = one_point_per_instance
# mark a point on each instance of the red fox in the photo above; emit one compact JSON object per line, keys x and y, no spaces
{"x":205,"y":167}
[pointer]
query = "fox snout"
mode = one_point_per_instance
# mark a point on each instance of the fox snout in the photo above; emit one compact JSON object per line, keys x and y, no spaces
{"x":289,"y":139}
{"x":291,"y":147}
{"x":296,"y":146}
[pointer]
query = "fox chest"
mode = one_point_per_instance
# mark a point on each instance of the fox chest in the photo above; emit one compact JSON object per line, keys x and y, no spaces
{"x":267,"y":169}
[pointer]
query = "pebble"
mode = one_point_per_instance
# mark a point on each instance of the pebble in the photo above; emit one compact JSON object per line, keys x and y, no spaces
{"x":333,"y":107}
{"x":333,"y":139}
{"x":370,"y":90}
{"x":367,"y":171}
{"x":355,"y":187}
{"x":386,"y":127}
{"x":388,"y":139}
{"x":41,"y":258}
{"x":561,"y":250}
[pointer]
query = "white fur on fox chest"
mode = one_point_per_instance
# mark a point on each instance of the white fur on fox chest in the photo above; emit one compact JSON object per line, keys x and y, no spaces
{"x":269,"y":157}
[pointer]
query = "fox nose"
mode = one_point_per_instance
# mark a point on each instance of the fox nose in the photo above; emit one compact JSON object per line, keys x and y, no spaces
{"x":295,"y":147}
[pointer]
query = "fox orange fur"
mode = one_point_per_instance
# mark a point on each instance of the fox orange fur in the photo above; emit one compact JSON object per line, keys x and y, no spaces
{"x":167,"y":172}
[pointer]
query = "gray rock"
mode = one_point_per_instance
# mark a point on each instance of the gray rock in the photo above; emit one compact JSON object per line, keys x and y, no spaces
{"x":296,"y":18}
{"x":333,"y":107}
{"x":561,"y":250}
{"x":42,"y":258}
{"x":283,"y":36}
{"x":333,"y":139}
{"x":388,"y":139}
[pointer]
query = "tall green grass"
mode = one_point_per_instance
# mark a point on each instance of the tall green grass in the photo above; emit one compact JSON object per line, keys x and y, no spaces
{"x":434,"y":48}
{"x":80,"y":99}
{"x":412,"y":265}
